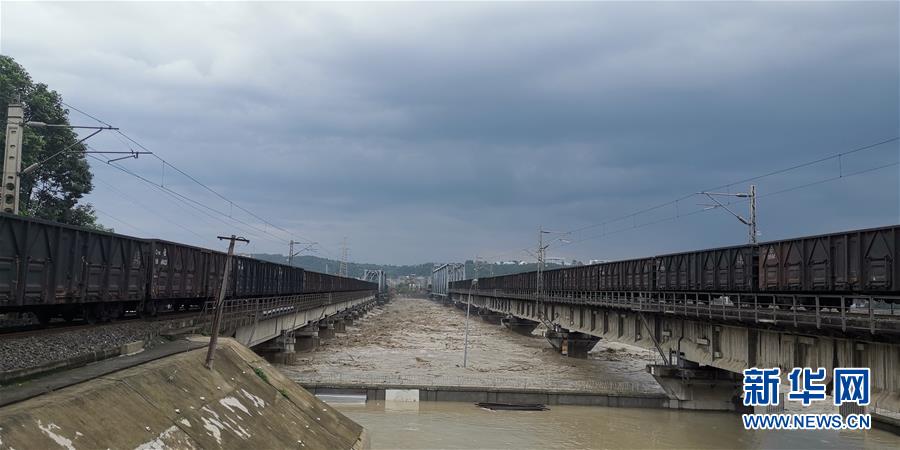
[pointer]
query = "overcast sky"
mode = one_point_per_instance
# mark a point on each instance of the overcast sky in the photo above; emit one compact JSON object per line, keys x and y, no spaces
{"x":438,"y":132}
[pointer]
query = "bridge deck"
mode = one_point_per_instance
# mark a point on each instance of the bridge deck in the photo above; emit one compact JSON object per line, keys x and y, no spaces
{"x":859,"y":313}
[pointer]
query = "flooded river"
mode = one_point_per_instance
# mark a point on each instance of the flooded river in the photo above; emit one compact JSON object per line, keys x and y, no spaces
{"x":422,"y":341}
{"x":429,"y":425}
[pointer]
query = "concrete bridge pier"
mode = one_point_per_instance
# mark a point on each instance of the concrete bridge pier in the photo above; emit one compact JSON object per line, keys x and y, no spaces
{"x":279,"y":350}
{"x":306,"y":340}
{"x":490,"y":316}
{"x":340,"y":326}
{"x":571,"y":343}
{"x":703,"y":388}
{"x":326,"y":330}
{"x":519,"y":325}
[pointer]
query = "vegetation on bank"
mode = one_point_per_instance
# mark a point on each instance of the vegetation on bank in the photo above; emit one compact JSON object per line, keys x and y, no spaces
{"x":54,"y":190}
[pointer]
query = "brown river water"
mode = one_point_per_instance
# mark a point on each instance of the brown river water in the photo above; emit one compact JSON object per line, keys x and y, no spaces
{"x":420,"y":340}
{"x":458,"y":425}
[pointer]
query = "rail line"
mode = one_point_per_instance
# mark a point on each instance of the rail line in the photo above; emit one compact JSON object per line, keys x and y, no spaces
{"x":15,"y":332}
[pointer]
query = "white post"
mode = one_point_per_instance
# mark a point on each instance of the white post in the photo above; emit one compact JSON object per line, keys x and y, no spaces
{"x":466,"y":340}
{"x":12,"y":162}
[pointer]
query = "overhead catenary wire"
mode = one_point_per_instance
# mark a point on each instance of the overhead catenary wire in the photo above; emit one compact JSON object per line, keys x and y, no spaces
{"x":134,"y":227}
{"x":232,"y":203}
{"x":766,"y":195}
{"x":679,"y":214}
{"x":837,"y":156}
{"x":155,"y":211}
{"x":199,"y":206}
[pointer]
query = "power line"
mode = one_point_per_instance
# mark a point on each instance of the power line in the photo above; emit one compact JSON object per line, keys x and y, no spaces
{"x":191,"y":202}
{"x":195,"y":180}
{"x":155,"y":212}
{"x":746,"y":180}
{"x":678,"y":214}
{"x":770,"y":194}
{"x":136,"y":228}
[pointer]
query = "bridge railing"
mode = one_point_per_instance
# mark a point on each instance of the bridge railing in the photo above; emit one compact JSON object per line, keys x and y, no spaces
{"x":860,"y":313}
{"x":247,"y":311}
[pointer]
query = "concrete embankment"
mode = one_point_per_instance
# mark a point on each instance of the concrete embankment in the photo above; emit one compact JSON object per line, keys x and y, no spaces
{"x":175,"y":402}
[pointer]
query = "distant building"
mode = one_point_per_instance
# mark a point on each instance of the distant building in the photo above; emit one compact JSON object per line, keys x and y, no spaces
{"x":556,"y":260}
{"x":597,"y":261}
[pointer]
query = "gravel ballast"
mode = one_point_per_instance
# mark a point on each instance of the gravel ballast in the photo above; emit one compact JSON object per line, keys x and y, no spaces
{"x":35,"y":350}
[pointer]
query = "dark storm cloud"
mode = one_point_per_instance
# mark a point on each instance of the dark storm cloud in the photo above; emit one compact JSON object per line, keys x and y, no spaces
{"x":442,"y":131}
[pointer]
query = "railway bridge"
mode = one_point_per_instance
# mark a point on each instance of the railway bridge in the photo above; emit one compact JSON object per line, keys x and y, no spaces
{"x":277,"y":327}
{"x":710,"y":314}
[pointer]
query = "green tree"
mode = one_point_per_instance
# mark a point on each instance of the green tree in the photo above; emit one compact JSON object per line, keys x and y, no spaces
{"x":53,"y":190}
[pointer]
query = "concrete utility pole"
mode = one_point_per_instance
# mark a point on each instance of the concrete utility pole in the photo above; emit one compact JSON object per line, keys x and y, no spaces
{"x":12,"y":163}
{"x":541,"y":257}
{"x":217,"y":319}
{"x":12,"y":160}
{"x":751,"y":222}
{"x":466,"y":339}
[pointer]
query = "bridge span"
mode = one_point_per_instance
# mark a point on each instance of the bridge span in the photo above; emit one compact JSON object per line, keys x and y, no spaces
{"x":704,"y":342}
{"x":819,"y":301}
{"x":276,"y":327}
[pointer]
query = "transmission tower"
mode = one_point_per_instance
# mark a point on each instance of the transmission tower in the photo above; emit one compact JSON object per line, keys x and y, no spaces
{"x":342,"y":271}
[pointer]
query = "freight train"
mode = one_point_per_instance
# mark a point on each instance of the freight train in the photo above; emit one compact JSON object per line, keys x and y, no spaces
{"x":56,"y":270}
{"x":838,"y":265}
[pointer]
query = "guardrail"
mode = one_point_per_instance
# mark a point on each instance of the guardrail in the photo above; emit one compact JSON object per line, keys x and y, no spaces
{"x":866,"y":313}
{"x":492,"y":382}
{"x":240,"y":312}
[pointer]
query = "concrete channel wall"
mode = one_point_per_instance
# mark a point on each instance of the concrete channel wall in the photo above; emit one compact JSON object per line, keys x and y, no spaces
{"x":726,"y":347}
{"x":498,"y":395}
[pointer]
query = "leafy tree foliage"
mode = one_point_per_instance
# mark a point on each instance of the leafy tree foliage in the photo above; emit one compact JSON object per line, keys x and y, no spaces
{"x":53,"y":190}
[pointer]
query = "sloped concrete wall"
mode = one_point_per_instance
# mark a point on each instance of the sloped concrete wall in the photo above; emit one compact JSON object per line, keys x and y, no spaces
{"x":176,"y":402}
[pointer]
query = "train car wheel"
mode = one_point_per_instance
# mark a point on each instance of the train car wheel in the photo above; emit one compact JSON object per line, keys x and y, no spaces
{"x":91,"y":314}
{"x":43,"y":317}
{"x":150,"y":309}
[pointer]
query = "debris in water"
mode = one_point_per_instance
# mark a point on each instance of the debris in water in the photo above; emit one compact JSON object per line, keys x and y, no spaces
{"x":512,"y":406}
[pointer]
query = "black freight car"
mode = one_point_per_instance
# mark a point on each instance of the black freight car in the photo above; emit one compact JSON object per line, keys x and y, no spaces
{"x":859,"y":262}
{"x":53,"y":269}
{"x":731,"y":269}
{"x":50,"y":269}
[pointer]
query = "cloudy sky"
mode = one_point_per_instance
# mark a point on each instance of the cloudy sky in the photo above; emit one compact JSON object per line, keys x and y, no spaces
{"x":428,"y":132}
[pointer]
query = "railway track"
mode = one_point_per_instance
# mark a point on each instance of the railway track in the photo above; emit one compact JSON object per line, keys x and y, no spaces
{"x":35,"y":329}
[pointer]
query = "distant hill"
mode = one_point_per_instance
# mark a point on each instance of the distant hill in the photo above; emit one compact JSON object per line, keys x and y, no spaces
{"x":356,"y":270}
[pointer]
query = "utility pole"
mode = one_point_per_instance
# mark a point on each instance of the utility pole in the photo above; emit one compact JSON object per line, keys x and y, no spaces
{"x":220,"y":302}
{"x":466,"y":339}
{"x":292,"y":253}
{"x":751,"y":222}
{"x":753,"y":233}
{"x":12,"y":163}
{"x":342,"y":271}
{"x":540,"y":274}
{"x":12,"y":157}
{"x":541,"y":257}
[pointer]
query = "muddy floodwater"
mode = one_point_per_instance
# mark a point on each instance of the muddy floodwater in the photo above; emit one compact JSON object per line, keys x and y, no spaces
{"x":431,"y":425}
{"x":423,"y":341}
